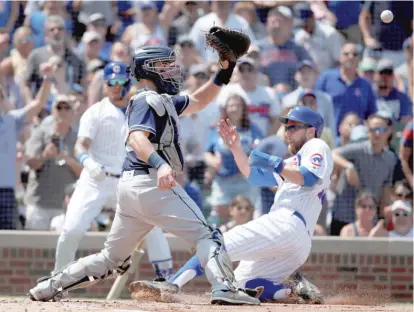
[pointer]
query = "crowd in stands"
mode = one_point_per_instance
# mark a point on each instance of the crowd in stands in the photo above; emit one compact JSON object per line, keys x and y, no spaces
{"x":336,"y":57}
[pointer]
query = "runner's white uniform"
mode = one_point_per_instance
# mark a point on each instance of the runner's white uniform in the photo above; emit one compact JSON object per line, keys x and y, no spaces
{"x":105,"y":125}
{"x":275,"y":245}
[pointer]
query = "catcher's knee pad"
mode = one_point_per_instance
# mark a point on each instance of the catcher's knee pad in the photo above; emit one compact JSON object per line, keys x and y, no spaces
{"x":86,"y":272}
{"x":215,"y":260}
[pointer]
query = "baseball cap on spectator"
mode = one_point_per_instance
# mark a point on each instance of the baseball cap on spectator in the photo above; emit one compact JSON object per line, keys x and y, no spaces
{"x":61,"y":98}
{"x":94,"y":65}
{"x":385,"y":65}
{"x":283,"y":10}
{"x":305,"y":93}
{"x":358,"y":133}
{"x":185,"y":40}
{"x":246,"y":60}
{"x":199,"y":69}
{"x":386,"y":115}
{"x":368,"y":64}
{"x":147,"y":5}
{"x":97,"y":18}
{"x":302,"y":12}
{"x":401,"y":204}
{"x":91,"y":35}
{"x":305,"y":63}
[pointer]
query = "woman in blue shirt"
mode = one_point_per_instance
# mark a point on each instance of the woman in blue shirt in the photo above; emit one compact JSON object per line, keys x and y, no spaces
{"x":228,"y":181}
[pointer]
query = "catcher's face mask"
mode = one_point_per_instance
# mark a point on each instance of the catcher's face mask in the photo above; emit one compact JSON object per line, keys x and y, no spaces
{"x":168,"y":68}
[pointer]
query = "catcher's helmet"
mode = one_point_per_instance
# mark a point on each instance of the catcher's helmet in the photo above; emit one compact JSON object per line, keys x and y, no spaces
{"x":168,"y":79}
{"x":306,"y":115}
{"x":118,"y":70}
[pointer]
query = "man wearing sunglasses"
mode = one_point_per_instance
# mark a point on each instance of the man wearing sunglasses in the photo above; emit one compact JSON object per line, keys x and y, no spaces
{"x":368,"y":165}
{"x":388,"y":97}
{"x":273,"y":246}
{"x":349,"y":92}
{"x":100,"y":149}
{"x":402,"y":220}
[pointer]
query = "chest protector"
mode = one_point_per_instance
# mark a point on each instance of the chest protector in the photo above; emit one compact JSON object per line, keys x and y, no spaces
{"x":163,"y":106}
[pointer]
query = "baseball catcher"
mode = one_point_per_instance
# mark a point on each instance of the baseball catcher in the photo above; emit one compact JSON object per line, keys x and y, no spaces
{"x":148,"y":195}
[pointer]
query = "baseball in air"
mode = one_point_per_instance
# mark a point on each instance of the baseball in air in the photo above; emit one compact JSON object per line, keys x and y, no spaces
{"x":387,"y":16}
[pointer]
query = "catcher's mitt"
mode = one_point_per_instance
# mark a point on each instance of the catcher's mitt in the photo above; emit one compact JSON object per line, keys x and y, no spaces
{"x":229,"y":44}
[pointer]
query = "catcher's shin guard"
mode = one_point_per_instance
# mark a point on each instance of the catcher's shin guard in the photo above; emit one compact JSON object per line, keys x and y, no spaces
{"x":79,"y":274}
{"x":219,"y":272}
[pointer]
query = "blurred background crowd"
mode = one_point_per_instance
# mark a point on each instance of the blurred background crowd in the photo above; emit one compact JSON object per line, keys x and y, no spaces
{"x":336,"y":57}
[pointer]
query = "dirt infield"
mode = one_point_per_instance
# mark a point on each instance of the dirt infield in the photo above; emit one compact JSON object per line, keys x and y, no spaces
{"x":187,"y":303}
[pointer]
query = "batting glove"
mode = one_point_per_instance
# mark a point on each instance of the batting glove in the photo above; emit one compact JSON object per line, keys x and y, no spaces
{"x":95,"y":170}
{"x":266,"y":161}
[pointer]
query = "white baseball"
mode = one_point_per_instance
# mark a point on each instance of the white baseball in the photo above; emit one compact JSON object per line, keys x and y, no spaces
{"x":387,"y":16}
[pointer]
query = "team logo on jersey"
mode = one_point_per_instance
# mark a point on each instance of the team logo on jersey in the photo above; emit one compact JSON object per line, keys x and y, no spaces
{"x":116,"y":69}
{"x":316,"y":160}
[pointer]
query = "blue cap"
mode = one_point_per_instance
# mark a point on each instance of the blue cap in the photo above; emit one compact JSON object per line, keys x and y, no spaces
{"x":116,"y":70}
{"x":305,"y":115}
{"x":78,"y":88}
{"x":147,"y":5}
{"x":305,"y":63}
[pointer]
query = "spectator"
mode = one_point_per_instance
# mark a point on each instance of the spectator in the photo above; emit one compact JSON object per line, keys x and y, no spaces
{"x":404,"y":72}
{"x":38,"y":22}
{"x":97,"y":23}
{"x":280,"y":54}
{"x":263,"y":106}
{"x":321,"y":41}
{"x":77,"y":96}
{"x":228,"y":181}
{"x":349,"y":92}
{"x":119,"y":53}
{"x":254,"y":54}
{"x":15,"y":65}
{"x":88,"y":10}
{"x":8,"y":16}
{"x":11,"y":125}
{"x":92,"y":43}
{"x":368,"y":165}
{"x":350,"y":121}
{"x":305,"y":76}
{"x":188,"y":54}
{"x":247,"y":10}
{"x":195,"y":128}
{"x":406,"y":153}
{"x":240,"y":210}
{"x":181,"y":26}
{"x":153,"y":28}
{"x":50,"y":151}
{"x":365,"y":211}
{"x":402,"y":219}
{"x":221,"y":15}
{"x":389,"y":36}
{"x":345,"y":15}
{"x":75,"y":70}
{"x":367,"y":68}
{"x":389,"y":98}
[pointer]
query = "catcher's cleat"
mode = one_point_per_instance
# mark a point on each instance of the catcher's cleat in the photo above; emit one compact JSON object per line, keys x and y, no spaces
{"x":227,"y":296}
{"x":42,"y":294}
{"x":306,"y":290}
{"x":155,"y":288}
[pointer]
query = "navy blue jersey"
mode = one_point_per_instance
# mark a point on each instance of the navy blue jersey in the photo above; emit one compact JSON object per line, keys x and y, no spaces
{"x":141,"y":116}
